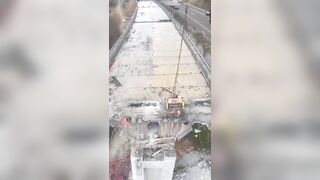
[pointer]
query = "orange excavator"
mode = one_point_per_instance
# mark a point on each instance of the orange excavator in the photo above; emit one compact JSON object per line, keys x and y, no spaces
{"x":175,"y":102}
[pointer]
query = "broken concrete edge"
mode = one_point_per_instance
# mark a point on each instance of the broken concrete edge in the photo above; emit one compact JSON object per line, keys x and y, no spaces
{"x":201,"y":62}
{"x":189,"y":129}
{"x":117,"y":46}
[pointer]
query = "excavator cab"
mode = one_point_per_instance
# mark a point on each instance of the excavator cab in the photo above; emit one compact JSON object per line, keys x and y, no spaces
{"x":175,"y":102}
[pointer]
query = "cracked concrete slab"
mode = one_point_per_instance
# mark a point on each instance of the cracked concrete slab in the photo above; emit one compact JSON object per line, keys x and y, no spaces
{"x":148,"y":61}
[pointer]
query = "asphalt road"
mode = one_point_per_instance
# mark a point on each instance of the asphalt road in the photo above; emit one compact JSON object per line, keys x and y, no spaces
{"x":196,"y":17}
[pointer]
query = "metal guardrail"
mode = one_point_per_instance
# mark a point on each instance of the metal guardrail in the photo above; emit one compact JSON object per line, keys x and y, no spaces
{"x":116,"y":47}
{"x":200,"y":60}
{"x":204,"y":11}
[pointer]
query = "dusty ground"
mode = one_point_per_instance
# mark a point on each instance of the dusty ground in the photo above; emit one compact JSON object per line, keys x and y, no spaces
{"x":193,"y":165}
{"x":184,"y":146}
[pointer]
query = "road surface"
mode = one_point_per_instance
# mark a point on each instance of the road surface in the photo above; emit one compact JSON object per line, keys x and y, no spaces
{"x":147,"y":61}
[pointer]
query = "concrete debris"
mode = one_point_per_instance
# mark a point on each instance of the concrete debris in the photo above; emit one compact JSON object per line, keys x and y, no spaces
{"x":115,"y":81}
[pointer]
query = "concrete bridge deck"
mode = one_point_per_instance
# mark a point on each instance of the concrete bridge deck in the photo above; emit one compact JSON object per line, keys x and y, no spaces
{"x":147,"y":63}
{"x":148,"y":60}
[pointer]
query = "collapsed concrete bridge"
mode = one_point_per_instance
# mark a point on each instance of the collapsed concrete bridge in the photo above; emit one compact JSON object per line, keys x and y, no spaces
{"x":145,"y":65}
